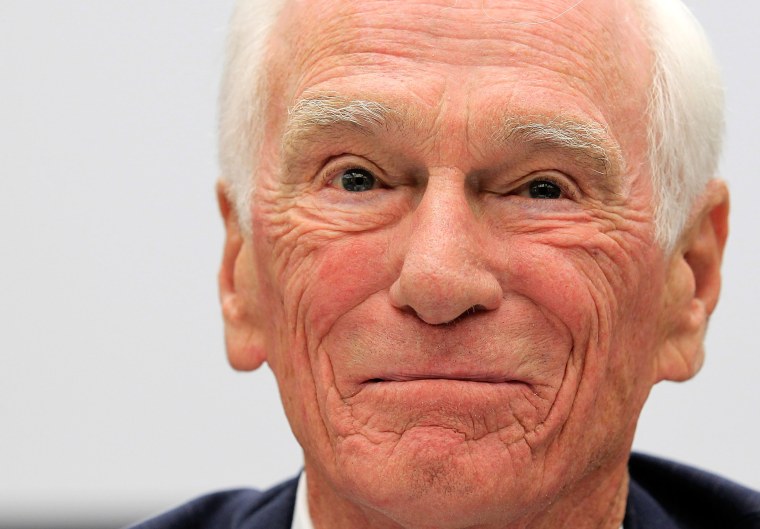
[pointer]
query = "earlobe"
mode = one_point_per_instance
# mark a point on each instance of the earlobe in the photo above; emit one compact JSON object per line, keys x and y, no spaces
{"x":243,"y":326}
{"x":693,"y":286}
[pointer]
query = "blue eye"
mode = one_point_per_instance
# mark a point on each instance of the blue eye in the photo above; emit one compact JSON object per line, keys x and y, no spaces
{"x":544,"y":189}
{"x":357,"y":180}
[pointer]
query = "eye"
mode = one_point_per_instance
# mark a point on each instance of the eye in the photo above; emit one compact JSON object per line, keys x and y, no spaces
{"x":544,"y":189}
{"x":356,"y":180}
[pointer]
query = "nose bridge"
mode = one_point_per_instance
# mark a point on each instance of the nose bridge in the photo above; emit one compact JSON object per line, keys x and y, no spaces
{"x":445,"y":273}
{"x":443,"y":224}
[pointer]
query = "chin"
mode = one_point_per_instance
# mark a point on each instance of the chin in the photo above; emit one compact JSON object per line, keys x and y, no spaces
{"x":434,"y":477}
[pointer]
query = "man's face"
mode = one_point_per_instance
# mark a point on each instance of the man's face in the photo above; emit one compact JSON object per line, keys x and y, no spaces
{"x":463,"y":301}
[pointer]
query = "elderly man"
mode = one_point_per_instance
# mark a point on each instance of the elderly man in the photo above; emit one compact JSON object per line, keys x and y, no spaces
{"x":468,"y":237}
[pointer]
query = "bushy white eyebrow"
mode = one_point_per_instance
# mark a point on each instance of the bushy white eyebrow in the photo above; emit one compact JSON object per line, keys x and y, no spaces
{"x":317,"y":113}
{"x":585,"y":138}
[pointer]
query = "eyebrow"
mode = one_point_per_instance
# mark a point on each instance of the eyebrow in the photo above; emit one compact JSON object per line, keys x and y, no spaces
{"x":589,"y":142}
{"x":318,"y":114}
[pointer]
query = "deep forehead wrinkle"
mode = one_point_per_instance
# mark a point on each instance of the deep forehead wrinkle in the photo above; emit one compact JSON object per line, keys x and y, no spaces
{"x":319,"y":115}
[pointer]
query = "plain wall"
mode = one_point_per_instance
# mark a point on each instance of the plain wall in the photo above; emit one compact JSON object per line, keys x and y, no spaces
{"x":115,"y":396}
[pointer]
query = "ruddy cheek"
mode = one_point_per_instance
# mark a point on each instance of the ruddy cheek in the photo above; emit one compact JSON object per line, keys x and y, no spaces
{"x":346,"y":273}
{"x":555,"y":281}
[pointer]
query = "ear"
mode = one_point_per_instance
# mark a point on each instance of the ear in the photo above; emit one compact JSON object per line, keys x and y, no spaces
{"x":693,"y":285}
{"x":238,"y":292}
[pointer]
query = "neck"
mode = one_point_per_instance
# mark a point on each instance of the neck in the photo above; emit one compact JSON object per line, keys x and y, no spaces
{"x":598,"y":501}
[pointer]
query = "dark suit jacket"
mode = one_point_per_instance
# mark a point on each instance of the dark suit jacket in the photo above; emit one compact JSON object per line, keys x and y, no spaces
{"x":662,"y":495}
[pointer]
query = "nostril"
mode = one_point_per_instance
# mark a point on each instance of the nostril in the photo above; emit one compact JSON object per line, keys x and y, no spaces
{"x":469,"y":312}
{"x":409,"y":310}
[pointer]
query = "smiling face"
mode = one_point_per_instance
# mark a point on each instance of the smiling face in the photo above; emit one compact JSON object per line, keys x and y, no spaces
{"x":452,"y":271}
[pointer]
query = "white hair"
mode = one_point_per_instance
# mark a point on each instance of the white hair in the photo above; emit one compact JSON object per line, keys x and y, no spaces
{"x":242,"y":100}
{"x":685,"y":108}
{"x":685,"y":114}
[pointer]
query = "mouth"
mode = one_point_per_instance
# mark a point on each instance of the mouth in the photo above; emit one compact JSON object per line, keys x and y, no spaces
{"x":433,"y":383}
{"x":433,"y":392}
{"x":486,"y":379}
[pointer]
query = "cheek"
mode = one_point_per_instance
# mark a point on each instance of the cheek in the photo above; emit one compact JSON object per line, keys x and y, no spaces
{"x":605,"y":292}
{"x":317,"y":275}
{"x":603,"y":288}
{"x":325,"y":257}
{"x":606,"y":289}
{"x":563,"y":283}
{"x":589,"y":279}
{"x":346,"y":272}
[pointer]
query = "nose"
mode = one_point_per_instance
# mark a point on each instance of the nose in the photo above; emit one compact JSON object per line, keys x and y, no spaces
{"x":444,"y":275}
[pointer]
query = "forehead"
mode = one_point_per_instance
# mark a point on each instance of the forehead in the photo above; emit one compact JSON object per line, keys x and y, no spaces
{"x":562,"y":56}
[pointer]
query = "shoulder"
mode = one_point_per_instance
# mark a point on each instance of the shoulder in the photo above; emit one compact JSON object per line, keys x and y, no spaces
{"x":233,"y":509}
{"x":671,"y":495}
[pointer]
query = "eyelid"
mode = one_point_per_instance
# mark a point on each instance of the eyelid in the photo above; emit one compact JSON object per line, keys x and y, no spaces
{"x":336,"y":165}
{"x":565,"y":183}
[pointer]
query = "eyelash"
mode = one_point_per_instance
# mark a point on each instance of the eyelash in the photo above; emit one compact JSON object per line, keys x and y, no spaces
{"x":568,"y":191}
{"x":331,"y":174}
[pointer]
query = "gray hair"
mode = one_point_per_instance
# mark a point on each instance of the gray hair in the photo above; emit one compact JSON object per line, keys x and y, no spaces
{"x":685,"y":109}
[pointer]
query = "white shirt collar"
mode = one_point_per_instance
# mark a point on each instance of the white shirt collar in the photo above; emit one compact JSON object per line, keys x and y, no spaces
{"x":301,"y":516}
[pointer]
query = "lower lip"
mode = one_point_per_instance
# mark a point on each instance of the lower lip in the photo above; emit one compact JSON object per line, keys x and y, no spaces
{"x":463,"y":409}
{"x":443,"y":390}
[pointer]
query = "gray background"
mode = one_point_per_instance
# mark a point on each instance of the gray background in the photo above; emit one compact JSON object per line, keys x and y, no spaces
{"x":115,"y":396}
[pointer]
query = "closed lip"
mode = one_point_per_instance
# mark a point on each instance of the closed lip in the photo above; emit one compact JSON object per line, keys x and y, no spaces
{"x":484,"y":378}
